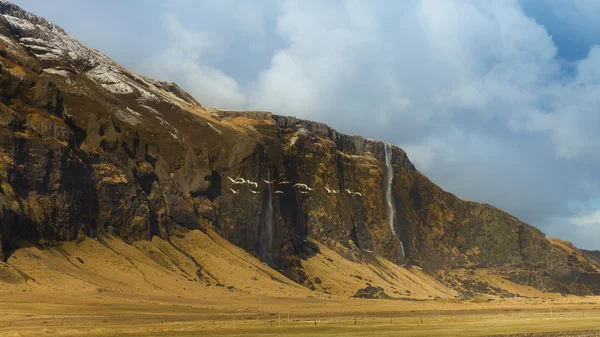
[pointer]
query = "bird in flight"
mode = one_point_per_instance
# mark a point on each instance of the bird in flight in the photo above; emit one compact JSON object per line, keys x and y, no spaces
{"x":238,"y":181}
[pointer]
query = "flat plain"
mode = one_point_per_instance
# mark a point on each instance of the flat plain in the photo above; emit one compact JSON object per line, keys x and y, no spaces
{"x":106,"y":287}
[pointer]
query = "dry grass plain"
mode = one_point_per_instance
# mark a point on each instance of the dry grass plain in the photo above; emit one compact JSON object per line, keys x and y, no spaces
{"x":109,"y":288}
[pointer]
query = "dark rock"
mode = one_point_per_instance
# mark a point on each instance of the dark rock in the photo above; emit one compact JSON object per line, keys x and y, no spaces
{"x":79,"y":156}
{"x":372,"y":292}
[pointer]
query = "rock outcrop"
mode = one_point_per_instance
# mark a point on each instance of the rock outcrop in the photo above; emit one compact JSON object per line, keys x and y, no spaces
{"x":87,"y":146}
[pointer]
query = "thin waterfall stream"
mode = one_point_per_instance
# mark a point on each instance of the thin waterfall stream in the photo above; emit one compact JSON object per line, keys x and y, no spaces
{"x":389,"y":196}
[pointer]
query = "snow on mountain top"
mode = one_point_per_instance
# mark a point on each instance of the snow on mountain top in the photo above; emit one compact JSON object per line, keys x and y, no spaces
{"x":59,"y":50}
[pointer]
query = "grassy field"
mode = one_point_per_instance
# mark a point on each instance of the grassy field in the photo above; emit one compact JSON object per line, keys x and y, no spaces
{"x":109,"y":288}
{"x":22,"y":315}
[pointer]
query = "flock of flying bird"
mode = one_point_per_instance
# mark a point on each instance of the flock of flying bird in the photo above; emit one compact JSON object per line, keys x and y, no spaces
{"x":302,"y":188}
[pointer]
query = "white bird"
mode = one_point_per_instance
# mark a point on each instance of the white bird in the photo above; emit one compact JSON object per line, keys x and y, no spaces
{"x":234,"y":191}
{"x":304,"y":192}
{"x":252,"y":183}
{"x":335,"y":191}
{"x":357,"y":193}
{"x":254,"y":192}
{"x":308,"y":188}
{"x":284,"y":182}
{"x":268,"y":181}
{"x":348,"y":191}
{"x":239,"y":181}
{"x":300,"y":185}
{"x":328,"y":190}
{"x":279,"y":192}
{"x":231,"y":179}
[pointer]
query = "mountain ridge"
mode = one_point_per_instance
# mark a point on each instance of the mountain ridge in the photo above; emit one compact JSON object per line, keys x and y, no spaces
{"x":89,"y":148}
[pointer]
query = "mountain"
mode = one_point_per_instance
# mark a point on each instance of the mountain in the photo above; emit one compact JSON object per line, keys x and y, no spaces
{"x":90,"y":149}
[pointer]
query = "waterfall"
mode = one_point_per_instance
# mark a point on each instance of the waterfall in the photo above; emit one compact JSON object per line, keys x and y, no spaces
{"x":389,"y":179}
{"x":402,"y":247}
{"x":269,"y":215}
{"x":389,"y":195}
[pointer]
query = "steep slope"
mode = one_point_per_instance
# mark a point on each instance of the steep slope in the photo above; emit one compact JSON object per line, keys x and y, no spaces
{"x":109,"y":267}
{"x":89,"y":149}
{"x":594,"y":255}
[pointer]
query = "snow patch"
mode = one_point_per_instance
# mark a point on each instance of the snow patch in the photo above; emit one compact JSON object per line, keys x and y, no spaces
{"x":38,"y":48}
{"x":161,"y":119}
{"x":18,"y":22}
{"x":6,"y":39}
{"x":109,"y":79}
{"x":48,"y":57}
{"x":54,"y":44}
{"x":214,"y":128}
{"x":133,"y":112}
{"x":118,"y":88}
{"x":151,"y":109}
{"x":57,"y":72}
{"x":146,"y":95}
{"x":127,"y":117}
{"x":34,"y":41}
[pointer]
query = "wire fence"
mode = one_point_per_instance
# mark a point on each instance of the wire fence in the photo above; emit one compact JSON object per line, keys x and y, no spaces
{"x":292,"y":319}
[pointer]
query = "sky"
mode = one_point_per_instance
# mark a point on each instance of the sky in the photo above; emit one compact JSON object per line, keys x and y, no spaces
{"x":495,"y":101}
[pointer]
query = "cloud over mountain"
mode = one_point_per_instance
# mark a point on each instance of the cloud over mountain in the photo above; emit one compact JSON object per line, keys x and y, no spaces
{"x":495,"y":100}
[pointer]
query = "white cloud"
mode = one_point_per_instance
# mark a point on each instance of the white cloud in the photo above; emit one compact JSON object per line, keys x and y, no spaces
{"x":414,"y":62}
{"x":474,"y":91}
{"x":592,"y":218}
{"x":181,"y":62}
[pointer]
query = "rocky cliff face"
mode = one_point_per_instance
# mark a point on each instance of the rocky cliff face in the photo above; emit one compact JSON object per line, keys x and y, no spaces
{"x":87,"y":146}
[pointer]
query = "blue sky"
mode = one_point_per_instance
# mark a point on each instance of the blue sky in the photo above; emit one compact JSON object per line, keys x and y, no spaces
{"x":495,"y":101}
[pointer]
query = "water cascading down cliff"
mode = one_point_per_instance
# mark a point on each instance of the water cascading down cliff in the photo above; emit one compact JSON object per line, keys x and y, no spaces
{"x":90,"y":148}
{"x":389,"y":196}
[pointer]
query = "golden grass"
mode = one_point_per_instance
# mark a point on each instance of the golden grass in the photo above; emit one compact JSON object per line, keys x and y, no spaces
{"x":22,"y":316}
{"x":110,"y":288}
